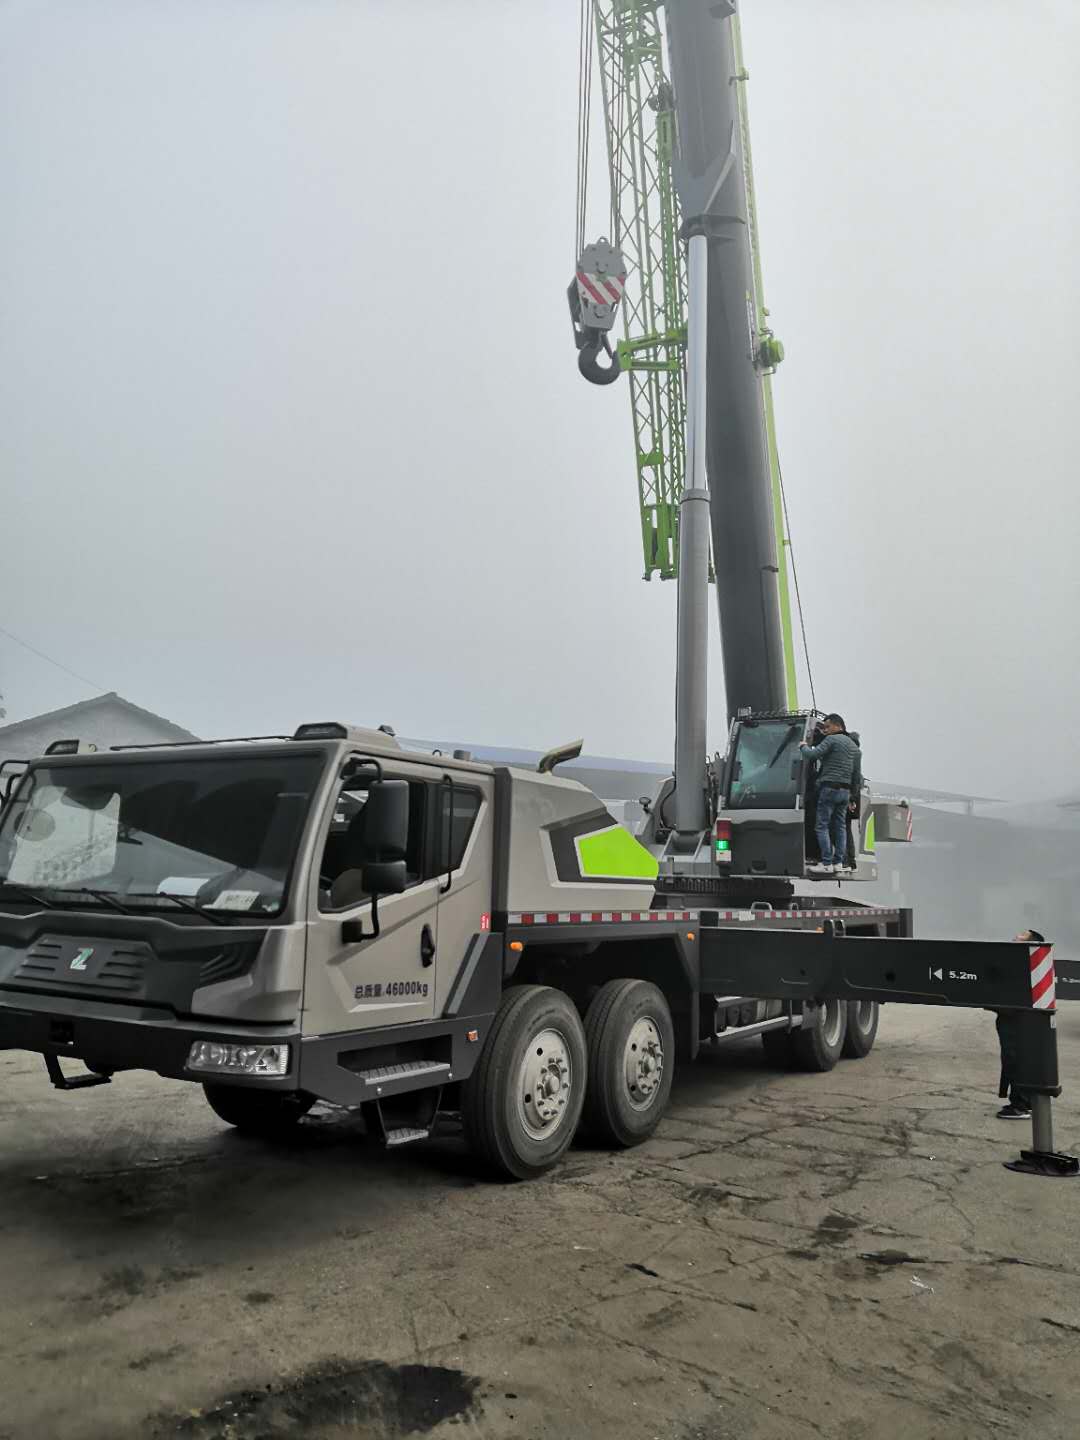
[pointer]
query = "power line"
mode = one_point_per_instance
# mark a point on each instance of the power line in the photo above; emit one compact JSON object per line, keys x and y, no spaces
{"x":101,"y":689}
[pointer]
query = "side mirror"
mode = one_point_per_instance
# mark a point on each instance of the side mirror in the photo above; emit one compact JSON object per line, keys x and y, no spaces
{"x":386,"y":826}
{"x":384,"y":877}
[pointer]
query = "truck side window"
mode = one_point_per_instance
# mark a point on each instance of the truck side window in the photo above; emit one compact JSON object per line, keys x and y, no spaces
{"x":339,"y":853}
{"x":458,"y":809}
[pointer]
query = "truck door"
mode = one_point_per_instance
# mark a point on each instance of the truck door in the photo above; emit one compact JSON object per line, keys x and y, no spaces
{"x":361,"y":985}
{"x":465,"y":848}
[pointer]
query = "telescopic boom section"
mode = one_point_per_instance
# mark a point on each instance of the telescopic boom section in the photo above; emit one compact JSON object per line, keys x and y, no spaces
{"x":710,"y":178}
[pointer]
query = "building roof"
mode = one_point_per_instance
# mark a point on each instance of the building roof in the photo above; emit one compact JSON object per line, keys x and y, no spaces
{"x":69,"y":716}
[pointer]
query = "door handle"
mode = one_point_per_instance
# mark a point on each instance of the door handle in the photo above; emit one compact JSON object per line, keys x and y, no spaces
{"x":427,"y":945}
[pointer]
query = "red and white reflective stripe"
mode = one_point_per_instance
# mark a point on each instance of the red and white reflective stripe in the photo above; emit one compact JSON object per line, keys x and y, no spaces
{"x":910,"y":822}
{"x":596,"y":917}
{"x":1042,"y":978}
{"x":639,"y":917}
{"x":861,"y":913}
{"x":603,"y":289}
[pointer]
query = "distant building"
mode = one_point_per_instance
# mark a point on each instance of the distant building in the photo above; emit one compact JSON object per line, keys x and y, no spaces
{"x":106,"y":720}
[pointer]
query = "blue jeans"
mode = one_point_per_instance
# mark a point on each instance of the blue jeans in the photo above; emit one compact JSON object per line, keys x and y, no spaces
{"x":831,"y":823}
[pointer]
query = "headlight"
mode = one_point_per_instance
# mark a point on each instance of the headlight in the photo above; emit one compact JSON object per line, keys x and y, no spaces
{"x":208,"y":1055}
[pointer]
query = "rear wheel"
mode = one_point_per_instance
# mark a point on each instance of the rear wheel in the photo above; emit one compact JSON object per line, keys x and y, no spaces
{"x":862,"y":1026}
{"x":819,"y":1041}
{"x":522,"y":1103}
{"x":631,"y":1047}
{"x":258,"y":1112}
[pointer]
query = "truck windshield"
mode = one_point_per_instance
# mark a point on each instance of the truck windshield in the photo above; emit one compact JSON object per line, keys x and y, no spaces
{"x":765,"y":773}
{"x":221,"y":833}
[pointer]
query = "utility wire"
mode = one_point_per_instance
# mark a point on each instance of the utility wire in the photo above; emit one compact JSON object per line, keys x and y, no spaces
{"x":101,"y":689}
{"x":795,"y":577}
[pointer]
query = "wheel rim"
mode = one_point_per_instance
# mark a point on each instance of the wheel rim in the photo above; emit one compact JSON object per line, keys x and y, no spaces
{"x":861,"y":1016}
{"x":832,"y":1022}
{"x":544,"y":1083}
{"x":643,"y":1062}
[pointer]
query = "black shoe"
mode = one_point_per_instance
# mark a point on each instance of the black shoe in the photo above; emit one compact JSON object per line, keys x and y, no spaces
{"x":1014,"y":1112}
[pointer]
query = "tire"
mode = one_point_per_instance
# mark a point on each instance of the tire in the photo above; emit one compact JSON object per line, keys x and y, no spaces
{"x":269,"y":1113}
{"x":631,"y":1046}
{"x":862,"y":1027}
{"x":517,"y":1129}
{"x":819,"y":1045}
{"x":778,"y":1048}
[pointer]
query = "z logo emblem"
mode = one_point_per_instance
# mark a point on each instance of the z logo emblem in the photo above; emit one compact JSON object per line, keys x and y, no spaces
{"x":79,"y":963}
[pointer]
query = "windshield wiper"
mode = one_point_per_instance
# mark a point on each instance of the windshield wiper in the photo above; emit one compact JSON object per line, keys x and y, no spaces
{"x":104,"y":897}
{"x":791,"y":730}
{"x":25,"y":890}
{"x":196,"y":909}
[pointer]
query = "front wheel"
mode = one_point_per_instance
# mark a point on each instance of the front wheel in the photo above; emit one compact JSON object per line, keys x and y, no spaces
{"x":631,"y":1045}
{"x":862,"y":1025}
{"x":522,"y":1103}
{"x":269,"y":1113}
{"x":819,"y":1041}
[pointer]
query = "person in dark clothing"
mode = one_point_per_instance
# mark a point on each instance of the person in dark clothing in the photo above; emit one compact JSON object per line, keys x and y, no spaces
{"x":1018,"y":1103}
{"x":838,"y":757}
{"x":854,"y":808}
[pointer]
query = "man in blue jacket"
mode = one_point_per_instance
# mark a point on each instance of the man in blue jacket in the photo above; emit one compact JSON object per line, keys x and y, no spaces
{"x":838,"y":757}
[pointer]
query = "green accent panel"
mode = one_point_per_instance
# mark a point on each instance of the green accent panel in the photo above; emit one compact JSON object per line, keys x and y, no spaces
{"x":868,"y":844}
{"x":615,"y":852}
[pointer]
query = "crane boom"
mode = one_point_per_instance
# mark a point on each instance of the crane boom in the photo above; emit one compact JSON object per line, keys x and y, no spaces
{"x":710,"y":174}
{"x":653,"y":128}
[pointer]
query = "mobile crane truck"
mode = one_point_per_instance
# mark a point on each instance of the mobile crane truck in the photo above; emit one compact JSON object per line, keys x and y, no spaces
{"x":328,"y":916}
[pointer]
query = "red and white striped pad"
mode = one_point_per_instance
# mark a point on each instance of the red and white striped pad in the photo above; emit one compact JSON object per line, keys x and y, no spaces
{"x":601,"y":289}
{"x":1041,"y":961}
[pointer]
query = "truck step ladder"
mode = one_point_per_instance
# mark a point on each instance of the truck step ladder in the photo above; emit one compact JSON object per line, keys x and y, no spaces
{"x":380,"y":1078}
{"x":404,"y":1135}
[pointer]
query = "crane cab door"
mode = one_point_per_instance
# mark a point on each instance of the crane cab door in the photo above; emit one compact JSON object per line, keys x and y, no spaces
{"x":365,"y":984}
{"x":764,"y":788}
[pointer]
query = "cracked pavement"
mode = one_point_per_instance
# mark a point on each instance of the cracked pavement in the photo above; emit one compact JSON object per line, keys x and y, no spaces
{"x":790,"y":1255}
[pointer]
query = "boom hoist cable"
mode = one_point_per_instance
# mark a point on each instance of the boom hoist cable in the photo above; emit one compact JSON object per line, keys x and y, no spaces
{"x":599,"y":270}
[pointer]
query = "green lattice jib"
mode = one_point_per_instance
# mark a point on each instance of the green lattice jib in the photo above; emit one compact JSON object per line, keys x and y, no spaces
{"x":640,"y":130}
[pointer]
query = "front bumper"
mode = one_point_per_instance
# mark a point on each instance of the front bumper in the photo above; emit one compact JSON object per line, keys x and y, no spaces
{"x":108,"y":1037}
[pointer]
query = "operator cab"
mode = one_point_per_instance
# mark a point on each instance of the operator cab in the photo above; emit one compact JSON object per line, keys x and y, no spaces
{"x":762,"y":807}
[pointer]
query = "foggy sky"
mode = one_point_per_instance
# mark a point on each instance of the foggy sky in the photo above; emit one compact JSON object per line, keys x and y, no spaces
{"x":290,"y":423}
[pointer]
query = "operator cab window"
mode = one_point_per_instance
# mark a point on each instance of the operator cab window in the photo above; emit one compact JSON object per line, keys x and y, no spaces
{"x":766,"y":773}
{"x":343,"y":851}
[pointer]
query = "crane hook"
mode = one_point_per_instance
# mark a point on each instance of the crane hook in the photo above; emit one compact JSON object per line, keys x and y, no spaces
{"x":587,"y":359}
{"x":593,"y":296}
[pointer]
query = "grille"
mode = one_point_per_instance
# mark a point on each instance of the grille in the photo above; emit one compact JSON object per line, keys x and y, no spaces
{"x":122,"y":973}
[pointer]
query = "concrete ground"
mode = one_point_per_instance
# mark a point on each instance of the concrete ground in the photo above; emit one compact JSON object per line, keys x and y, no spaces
{"x":791,"y":1255}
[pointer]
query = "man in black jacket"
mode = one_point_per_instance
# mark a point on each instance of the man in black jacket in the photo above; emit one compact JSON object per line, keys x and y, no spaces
{"x":854,"y":808}
{"x":1018,"y":1103}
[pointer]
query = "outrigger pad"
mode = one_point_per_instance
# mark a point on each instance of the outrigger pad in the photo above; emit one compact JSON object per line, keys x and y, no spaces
{"x":1045,"y":1162}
